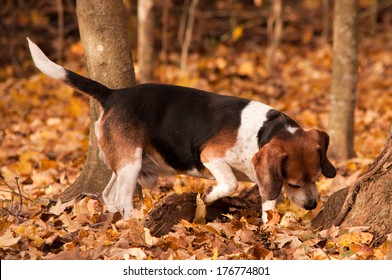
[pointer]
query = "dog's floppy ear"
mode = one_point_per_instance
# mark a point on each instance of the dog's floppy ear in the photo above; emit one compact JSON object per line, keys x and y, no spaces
{"x":268,"y":164}
{"x":327,"y":168}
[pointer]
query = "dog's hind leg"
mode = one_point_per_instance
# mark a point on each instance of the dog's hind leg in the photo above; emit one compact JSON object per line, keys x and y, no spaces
{"x":109,"y":194}
{"x":126,"y":183}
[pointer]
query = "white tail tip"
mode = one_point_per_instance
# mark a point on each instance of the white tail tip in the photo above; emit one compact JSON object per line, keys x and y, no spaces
{"x":44,"y":64}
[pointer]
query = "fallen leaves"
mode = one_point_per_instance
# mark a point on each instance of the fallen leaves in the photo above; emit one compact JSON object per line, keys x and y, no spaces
{"x":80,"y":230}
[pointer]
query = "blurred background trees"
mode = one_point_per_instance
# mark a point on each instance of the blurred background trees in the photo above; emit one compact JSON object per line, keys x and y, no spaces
{"x":145,"y":37}
{"x":344,"y":79}
{"x":233,"y":22}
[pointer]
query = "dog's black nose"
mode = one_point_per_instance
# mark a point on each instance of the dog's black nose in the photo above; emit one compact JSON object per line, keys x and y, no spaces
{"x":310,"y":205}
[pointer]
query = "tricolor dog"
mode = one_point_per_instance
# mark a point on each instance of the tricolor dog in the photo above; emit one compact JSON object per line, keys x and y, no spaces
{"x":152,"y":130}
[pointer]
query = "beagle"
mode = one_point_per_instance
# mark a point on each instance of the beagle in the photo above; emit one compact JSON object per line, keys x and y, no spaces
{"x":152,"y":130}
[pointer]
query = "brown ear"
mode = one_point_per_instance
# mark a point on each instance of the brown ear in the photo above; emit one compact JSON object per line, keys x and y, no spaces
{"x":268,"y":163}
{"x":327,"y":168}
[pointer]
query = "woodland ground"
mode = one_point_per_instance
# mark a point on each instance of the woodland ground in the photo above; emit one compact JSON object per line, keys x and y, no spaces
{"x":44,"y":139}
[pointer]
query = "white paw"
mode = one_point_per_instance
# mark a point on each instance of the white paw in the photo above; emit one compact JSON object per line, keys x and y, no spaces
{"x":264,"y":217}
{"x":209,"y":196}
{"x":127,"y":211}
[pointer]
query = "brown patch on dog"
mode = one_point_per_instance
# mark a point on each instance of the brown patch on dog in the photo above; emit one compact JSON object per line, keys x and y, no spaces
{"x":119,"y":140}
{"x":217,"y":146}
{"x":268,"y":163}
{"x":327,"y":168}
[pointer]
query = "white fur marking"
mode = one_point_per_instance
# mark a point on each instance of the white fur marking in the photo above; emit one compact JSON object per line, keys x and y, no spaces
{"x":44,"y":64}
{"x":109,"y":194}
{"x":266,"y":206}
{"x":126,"y":184}
{"x":227,"y":183}
{"x":302,"y":195}
{"x":291,"y":129}
{"x":240,"y":156}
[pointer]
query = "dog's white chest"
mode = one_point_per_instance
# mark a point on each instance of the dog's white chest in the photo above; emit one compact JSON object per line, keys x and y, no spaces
{"x":240,"y":155}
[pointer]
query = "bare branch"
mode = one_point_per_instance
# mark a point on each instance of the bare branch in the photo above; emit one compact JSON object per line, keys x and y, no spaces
{"x":14,"y":209}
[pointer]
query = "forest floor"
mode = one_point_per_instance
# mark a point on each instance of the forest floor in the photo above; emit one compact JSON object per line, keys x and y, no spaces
{"x":44,"y":140}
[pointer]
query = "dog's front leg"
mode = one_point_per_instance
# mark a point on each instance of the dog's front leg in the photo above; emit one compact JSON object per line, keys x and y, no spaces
{"x":227,"y":182}
{"x":267,"y":205}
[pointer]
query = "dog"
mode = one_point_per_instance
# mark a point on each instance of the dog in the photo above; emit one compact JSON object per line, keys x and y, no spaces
{"x":152,"y":130}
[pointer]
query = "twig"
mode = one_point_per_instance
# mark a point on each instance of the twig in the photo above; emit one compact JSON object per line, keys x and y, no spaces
{"x":14,"y":210}
{"x":13,"y":192}
{"x":369,"y":11}
{"x":11,"y":189}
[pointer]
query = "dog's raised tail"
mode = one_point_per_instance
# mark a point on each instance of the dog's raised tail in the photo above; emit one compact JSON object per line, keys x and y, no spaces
{"x":57,"y":72}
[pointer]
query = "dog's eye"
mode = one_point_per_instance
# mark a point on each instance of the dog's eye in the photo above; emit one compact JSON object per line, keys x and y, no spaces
{"x":294,"y":186}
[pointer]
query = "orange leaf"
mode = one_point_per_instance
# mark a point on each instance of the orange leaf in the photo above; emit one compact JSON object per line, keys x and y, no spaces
{"x":273,"y":217}
{"x":362,"y":250}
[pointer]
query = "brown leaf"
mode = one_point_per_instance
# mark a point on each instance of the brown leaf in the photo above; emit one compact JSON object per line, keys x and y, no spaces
{"x":70,"y":224}
{"x":59,"y":208}
{"x":201,"y":211}
{"x":362,"y":250}
{"x":225,"y":229}
{"x":283,"y":239}
{"x":259,"y":251}
{"x":245,"y":236}
{"x":273,"y":217}
{"x":8,"y":240}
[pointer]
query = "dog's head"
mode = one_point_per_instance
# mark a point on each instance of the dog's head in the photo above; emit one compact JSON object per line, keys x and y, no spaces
{"x":294,"y":161}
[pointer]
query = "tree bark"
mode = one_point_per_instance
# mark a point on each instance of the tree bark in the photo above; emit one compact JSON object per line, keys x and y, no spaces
{"x":368,"y":202}
{"x":104,"y":36}
{"x":188,"y":36}
{"x":274,"y":29}
{"x":145,"y":35}
{"x":344,"y":79}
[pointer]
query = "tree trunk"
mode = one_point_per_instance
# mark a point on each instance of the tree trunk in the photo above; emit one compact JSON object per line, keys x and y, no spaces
{"x":165,"y":28}
{"x":368,"y":202}
{"x":344,"y":79}
{"x":145,"y":35}
{"x":188,"y":31}
{"x":104,"y":36}
{"x":274,"y":28}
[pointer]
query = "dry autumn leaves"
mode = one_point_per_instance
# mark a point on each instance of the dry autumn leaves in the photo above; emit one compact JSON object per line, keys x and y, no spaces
{"x":43,"y":138}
